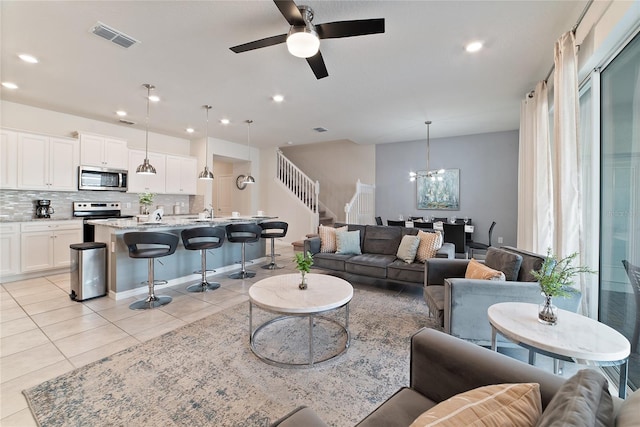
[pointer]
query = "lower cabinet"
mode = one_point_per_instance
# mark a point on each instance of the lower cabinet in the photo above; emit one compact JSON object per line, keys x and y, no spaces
{"x":9,"y":249}
{"x":45,"y":246}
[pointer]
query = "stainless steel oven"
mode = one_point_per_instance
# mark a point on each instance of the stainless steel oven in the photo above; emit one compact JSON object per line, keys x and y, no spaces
{"x":96,"y":210}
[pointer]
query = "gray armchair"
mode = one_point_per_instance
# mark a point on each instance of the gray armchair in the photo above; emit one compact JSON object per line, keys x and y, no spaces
{"x":461,"y":304}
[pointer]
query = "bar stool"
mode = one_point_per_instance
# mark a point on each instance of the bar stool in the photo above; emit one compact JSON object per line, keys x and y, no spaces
{"x":152,"y":245}
{"x":273,"y":230}
{"x":243,"y":233}
{"x":202,"y":239}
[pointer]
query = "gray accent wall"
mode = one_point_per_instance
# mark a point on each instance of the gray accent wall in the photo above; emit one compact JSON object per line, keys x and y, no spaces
{"x":488,"y":166}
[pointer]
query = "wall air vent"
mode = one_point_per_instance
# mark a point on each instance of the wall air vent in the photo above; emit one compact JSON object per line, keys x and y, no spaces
{"x":320,"y":129}
{"x":113,"y":35}
{"x":126,"y":122}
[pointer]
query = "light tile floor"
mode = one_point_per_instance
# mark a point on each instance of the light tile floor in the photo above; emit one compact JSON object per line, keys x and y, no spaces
{"x":43,"y":333}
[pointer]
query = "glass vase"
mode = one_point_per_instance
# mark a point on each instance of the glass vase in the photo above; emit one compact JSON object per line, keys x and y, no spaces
{"x":303,"y":282}
{"x":547,"y":312}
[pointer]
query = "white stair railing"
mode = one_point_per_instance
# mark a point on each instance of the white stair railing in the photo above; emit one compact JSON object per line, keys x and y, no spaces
{"x":304,"y":188}
{"x":361,"y":209}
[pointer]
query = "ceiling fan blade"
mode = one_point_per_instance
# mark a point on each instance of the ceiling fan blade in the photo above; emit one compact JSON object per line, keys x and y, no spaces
{"x":317,"y":66}
{"x":290,"y":12}
{"x":360,"y":27}
{"x":269,"y":41}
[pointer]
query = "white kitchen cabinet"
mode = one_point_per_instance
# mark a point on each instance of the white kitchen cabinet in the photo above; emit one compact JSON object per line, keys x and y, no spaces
{"x":103,"y":151}
{"x":146,"y":183}
{"x":8,"y":158}
{"x":9,"y":249}
{"x":181,"y":175}
{"x":44,"y":245}
{"x":47,"y":162}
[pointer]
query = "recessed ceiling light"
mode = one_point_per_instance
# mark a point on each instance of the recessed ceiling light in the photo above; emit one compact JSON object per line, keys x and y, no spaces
{"x":154,"y":98}
{"x":10,"y":85}
{"x":224,"y":121}
{"x":28,"y":58}
{"x":121,"y":113}
{"x":190,"y":130}
{"x":473,"y":47}
{"x":278,"y":98}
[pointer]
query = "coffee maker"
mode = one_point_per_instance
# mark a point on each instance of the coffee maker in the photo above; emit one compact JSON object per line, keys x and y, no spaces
{"x":43,"y":209}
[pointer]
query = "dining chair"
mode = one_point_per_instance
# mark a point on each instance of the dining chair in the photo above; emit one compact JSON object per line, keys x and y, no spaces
{"x":454,"y":233}
{"x":416,"y":218}
{"x":481,"y":246}
{"x":422,"y":224}
{"x":396,"y":223}
{"x":634,"y":277}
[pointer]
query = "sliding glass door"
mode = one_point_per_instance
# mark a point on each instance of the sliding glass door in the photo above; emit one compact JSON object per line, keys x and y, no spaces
{"x":619,"y":303}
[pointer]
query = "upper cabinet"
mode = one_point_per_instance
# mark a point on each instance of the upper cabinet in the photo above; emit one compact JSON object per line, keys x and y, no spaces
{"x":103,"y":151}
{"x":8,"y":159}
{"x":181,"y":175}
{"x":146,"y":183}
{"x":47,"y":162}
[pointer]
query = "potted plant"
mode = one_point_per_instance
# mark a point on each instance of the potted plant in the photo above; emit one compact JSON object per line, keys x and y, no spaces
{"x":145,"y":200}
{"x":555,"y":278}
{"x":304,"y":261}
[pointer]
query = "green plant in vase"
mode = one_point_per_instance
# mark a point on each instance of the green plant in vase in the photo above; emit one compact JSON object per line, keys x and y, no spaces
{"x":303,"y":261}
{"x":145,"y":200}
{"x":556,"y":276}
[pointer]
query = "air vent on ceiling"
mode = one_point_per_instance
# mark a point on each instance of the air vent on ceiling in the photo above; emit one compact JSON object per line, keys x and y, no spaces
{"x":126,"y":122}
{"x":320,"y":129}
{"x":113,"y":35}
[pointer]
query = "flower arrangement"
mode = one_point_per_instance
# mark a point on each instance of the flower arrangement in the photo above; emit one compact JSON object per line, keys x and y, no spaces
{"x":303,"y":261}
{"x":556,"y":275}
{"x":145,"y":200}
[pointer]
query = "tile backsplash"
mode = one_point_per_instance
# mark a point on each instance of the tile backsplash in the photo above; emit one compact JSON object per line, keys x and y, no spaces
{"x":19,"y":205}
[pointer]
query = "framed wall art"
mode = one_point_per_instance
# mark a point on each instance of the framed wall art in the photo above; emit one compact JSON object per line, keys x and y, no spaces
{"x":439,"y":191}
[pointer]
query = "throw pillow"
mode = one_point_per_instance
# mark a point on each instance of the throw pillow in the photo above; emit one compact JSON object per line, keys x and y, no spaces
{"x":476,"y":270}
{"x":429,"y":245}
{"x":628,"y":413}
{"x":505,"y":261}
{"x":583,"y":400}
{"x":408,"y":248}
{"x":500,"y":404}
{"x":348,"y":242}
{"x":328,"y":238}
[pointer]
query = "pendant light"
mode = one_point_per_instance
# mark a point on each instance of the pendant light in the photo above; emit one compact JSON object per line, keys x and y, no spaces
{"x":249,"y":179}
{"x":146,"y":168}
{"x":431,"y":174}
{"x":206,"y":174}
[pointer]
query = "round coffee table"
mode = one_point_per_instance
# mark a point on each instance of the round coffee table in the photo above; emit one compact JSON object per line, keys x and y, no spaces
{"x":574,"y":338}
{"x":281,"y":295}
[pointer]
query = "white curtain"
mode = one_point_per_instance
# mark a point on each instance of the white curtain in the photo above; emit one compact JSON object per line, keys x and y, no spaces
{"x":567,"y":171}
{"x":535,"y":200}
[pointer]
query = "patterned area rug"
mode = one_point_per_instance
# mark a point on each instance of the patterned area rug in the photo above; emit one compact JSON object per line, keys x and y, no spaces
{"x":205,"y":373}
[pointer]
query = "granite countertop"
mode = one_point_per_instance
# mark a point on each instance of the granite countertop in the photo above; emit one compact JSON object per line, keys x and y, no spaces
{"x":178,"y":221}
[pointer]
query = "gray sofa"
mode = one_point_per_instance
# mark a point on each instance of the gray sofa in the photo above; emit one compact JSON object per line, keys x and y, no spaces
{"x":378,"y":263}
{"x":443,"y":366}
{"x":461,"y":304}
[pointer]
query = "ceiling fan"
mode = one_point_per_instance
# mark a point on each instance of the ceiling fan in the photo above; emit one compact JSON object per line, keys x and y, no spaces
{"x":303,"y":38}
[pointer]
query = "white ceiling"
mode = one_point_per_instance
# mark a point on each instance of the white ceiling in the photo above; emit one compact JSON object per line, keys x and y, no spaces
{"x":381,"y":88}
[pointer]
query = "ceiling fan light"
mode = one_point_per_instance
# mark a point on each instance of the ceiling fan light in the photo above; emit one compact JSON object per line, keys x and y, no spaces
{"x":303,"y":42}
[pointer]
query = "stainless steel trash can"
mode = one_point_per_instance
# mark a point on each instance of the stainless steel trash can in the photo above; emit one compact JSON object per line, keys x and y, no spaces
{"x":88,"y":270}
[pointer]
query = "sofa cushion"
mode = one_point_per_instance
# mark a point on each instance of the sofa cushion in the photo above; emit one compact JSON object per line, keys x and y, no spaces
{"x":476,"y":270}
{"x":348,"y":242}
{"x":328,"y":238}
{"x":301,"y":416}
{"x":583,"y":400}
{"x":408,"y":248}
{"x":379,"y":239}
{"x":499,"y":404}
{"x":367,"y":264}
{"x":429,"y":245}
{"x":505,"y":261}
{"x":330,"y":261}
{"x":401,"y":271}
{"x":530,"y":261}
{"x":400,"y":409}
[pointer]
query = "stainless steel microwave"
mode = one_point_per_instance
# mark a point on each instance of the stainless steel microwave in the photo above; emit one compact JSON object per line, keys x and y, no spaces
{"x":102,"y":179}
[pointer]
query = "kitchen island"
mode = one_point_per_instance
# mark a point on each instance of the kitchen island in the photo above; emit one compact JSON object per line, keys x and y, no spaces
{"x":126,"y":276}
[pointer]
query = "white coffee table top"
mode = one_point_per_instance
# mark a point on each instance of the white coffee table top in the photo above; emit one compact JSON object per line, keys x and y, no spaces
{"x":281,"y":293}
{"x":576,"y":336}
